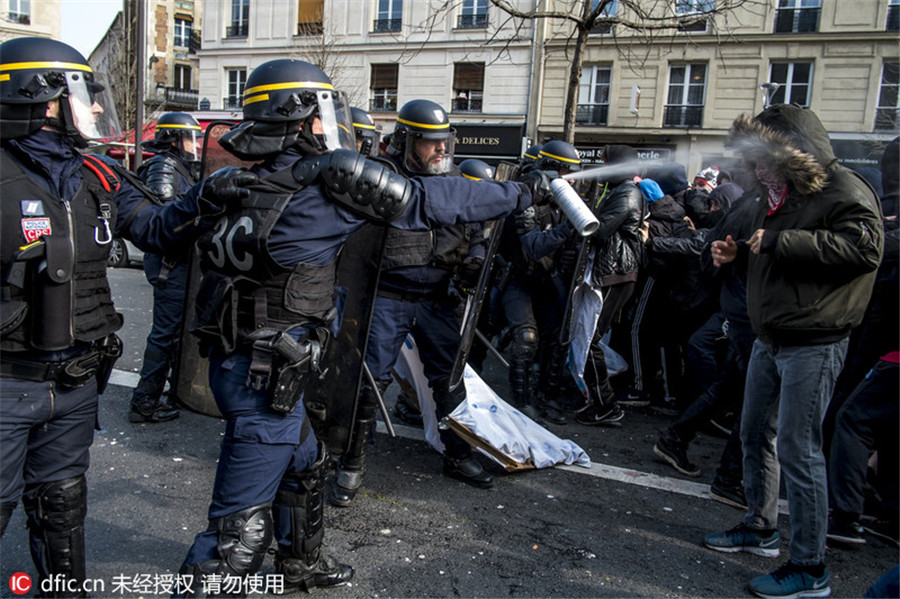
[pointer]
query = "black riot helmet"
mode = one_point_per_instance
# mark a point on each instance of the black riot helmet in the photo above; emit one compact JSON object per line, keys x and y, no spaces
{"x":475,"y":169}
{"x":177,"y":130}
{"x":286,"y":101}
{"x":35,"y":71}
{"x":366,"y":133}
{"x":558,"y":156}
{"x":423,"y":130}
{"x":531,"y":154}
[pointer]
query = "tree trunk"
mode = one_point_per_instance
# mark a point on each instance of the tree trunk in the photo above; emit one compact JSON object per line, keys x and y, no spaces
{"x":574,"y":83}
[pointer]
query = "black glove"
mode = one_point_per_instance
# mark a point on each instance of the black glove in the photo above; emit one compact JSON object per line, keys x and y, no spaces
{"x":226,"y":187}
{"x":566,"y":258}
{"x":526,"y":220}
{"x":538,"y":185}
{"x":469,"y":271}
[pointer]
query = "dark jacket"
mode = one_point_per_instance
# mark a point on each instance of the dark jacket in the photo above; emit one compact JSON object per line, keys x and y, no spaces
{"x":619,"y":249}
{"x":812,"y":280}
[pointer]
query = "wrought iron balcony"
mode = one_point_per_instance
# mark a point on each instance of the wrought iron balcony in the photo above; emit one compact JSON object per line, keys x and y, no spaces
{"x":683,"y":116}
{"x":592,"y":114}
{"x":182,"y":98}
{"x":383,"y":104}
{"x":467,"y":105}
{"x":387,"y":25}
{"x":798,"y":20}
{"x":237,"y":30}
{"x":472,"y":21}
{"x":312,"y":28}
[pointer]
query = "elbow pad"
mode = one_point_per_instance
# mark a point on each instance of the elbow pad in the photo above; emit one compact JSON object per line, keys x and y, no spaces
{"x":366,"y":187}
{"x":160,"y":175}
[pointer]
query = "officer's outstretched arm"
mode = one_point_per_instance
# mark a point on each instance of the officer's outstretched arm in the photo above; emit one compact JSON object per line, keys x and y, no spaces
{"x":365,"y":187}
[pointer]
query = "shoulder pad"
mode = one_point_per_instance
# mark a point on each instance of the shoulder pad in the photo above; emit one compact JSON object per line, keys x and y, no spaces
{"x":160,"y":173}
{"x":364,"y":186}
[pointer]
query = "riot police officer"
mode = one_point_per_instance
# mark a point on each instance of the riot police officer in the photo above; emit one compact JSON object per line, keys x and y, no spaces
{"x":170,"y":172}
{"x":533,"y":297}
{"x":268,"y":303}
{"x":59,"y":210}
{"x":365,"y":130}
{"x":414,"y":297}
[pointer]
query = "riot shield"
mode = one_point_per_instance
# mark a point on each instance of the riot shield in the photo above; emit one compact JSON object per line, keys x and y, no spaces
{"x":191,"y":372}
{"x":331,"y":400}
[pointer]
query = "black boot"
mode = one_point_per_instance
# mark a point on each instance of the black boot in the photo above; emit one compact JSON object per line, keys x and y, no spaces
{"x":146,"y":409}
{"x":300,"y":558}
{"x":459,"y":462}
{"x":352,"y":464}
{"x":56,"y":512}
{"x":243,"y":539}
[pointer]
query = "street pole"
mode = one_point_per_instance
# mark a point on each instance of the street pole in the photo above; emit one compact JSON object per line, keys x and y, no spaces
{"x":139,"y":84}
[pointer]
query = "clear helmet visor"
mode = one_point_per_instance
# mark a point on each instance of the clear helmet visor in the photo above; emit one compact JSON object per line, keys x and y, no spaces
{"x":191,"y":144}
{"x":337,"y":124}
{"x":92,"y":106}
{"x":429,"y":154}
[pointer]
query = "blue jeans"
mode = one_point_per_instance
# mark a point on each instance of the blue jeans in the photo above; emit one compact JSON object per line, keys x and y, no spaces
{"x":787,"y":391}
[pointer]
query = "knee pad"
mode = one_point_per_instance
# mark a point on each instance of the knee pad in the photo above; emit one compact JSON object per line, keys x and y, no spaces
{"x":524,"y":342}
{"x":244,"y":537}
{"x":56,"y":506}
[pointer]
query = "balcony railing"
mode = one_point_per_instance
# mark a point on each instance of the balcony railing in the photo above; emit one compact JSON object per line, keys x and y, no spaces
{"x":237,"y":30}
{"x":807,"y":20}
{"x":312,"y":28}
{"x":386,"y":25}
{"x":887,"y":119}
{"x":472,"y":21}
{"x":592,"y":114}
{"x":20,"y":18}
{"x":232,"y":102}
{"x":182,"y":98}
{"x":685,"y":116}
{"x":388,"y":104}
{"x":467,"y":105}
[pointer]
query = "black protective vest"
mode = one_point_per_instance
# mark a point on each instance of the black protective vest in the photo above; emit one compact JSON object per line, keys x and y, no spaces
{"x":444,"y":247}
{"x":65,"y":288}
{"x":244,"y":289}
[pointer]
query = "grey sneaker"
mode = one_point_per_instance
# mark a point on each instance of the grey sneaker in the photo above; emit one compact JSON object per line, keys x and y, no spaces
{"x":744,"y":538}
{"x":790,"y":581}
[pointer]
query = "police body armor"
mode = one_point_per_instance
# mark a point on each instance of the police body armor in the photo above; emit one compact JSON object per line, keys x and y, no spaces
{"x":246,"y":294}
{"x":64,"y":286}
{"x":444,"y":247}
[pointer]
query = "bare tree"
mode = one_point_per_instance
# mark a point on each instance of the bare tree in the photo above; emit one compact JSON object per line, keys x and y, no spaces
{"x":647,"y":19}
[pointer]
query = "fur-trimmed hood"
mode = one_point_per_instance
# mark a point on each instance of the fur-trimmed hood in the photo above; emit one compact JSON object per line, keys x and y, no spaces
{"x":792,"y":139}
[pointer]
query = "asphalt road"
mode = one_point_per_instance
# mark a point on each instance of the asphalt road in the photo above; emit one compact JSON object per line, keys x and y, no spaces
{"x":627,"y":527}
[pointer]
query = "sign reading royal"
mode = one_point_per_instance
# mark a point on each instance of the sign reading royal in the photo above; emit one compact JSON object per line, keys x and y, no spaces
{"x":498,"y":141}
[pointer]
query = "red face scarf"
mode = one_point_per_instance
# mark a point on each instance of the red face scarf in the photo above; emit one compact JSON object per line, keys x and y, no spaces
{"x":776,"y":184}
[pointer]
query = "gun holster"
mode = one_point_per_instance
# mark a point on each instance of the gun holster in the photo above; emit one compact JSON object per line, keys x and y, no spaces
{"x":283,"y":365}
{"x":110,"y":350}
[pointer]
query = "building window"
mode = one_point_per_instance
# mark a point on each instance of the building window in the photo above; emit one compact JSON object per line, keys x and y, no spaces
{"x":687,"y":12}
{"x":309,"y":17}
{"x":893,"y":17}
{"x":240,"y":19}
{"x":473,"y":14}
{"x":183,"y":30}
{"x":797,"y":16}
{"x":609,"y":11}
{"x":687,"y":88}
{"x":187,"y":5}
{"x":887,"y":115}
{"x":20,"y":11}
{"x":182,"y":77}
{"x":389,"y":17}
{"x":468,"y":86}
{"x":384,"y":88}
{"x":795,"y":79}
{"x":237,"y":80}
{"x":593,"y":96}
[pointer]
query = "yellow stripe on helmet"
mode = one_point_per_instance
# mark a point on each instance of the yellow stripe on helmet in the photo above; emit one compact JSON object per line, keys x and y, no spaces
{"x":259,"y":98}
{"x":197,"y":127}
{"x":471,"y":177}
{"x":364,"y":126}
{"x":287,"y":85}
{"x":560,"y":158}
{"x":423,"y":125}
{"x":66,"y":66}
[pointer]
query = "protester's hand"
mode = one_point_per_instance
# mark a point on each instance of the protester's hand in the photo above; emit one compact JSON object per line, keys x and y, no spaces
{"x":227,"y":187}
{"x":755,"y":241}
{"x":723,"y":252}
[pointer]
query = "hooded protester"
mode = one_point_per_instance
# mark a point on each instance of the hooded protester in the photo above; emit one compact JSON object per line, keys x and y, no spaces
{"x":812,"y":258}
